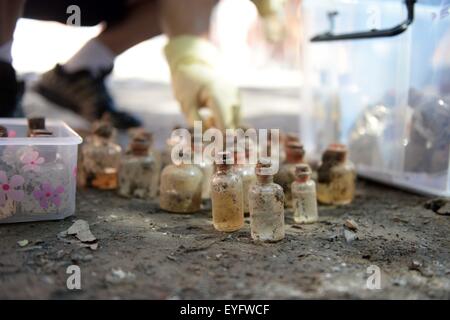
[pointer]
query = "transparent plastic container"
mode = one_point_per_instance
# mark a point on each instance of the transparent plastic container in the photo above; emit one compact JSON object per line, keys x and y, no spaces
{"x":387,"y":98}
{"x":37,"y":174}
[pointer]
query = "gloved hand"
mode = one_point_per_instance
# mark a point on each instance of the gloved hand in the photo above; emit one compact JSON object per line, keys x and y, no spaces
{"x":196,"y":83}
{"x":270,"y":11}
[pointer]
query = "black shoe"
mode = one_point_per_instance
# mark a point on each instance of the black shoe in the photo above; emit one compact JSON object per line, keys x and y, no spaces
{"x":11,"y":91}
{"x":83,"y":94}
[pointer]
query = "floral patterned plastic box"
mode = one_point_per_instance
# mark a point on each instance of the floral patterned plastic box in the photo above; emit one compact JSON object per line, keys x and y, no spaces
{"x":37,"y":175}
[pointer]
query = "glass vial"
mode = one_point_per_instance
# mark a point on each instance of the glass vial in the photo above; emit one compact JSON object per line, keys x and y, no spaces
{"x":304,"y":200}
{"x":101,"y":158}
{"x":286,"y":174}
{"x":139,"y":170}
{"x":247,"y":173}
{"x":266,"y":201}
{"x":205,"y":164}
{"x":336,"y":177}
{"x":226,"y":195}
{"x":180,"y":190}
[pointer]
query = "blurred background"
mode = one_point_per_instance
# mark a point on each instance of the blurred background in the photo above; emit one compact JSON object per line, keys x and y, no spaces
{"x":267,"y":72}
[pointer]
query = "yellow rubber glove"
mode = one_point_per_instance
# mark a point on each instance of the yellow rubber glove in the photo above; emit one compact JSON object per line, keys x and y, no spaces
{"x":197,"y":84}
{"x":270,"y":11}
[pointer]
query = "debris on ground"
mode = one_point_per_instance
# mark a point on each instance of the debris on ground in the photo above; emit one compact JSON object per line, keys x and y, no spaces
{"x":350,"y":235}
{"x":439,"y":206}
{"x":119,"y":276}
{"x":80,"y":229}
{"x":351,"y":225}
{"x":23,"y":243}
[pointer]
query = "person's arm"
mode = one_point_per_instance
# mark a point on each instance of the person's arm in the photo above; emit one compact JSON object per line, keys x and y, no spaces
{"x":192,"y":59}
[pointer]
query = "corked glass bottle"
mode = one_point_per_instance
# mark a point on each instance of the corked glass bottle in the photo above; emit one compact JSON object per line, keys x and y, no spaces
{"x":266,"y":201}
{"x":205,"y":165}
{"x":286,"y":174}
{"x":139,"y":170}
{"x":180,"y":189}
{"x":101,"y":157}
{"x":336,"y":177}
{"x":247,"y":172}
{"x":304,"y":200}
{"x":226,"y":195}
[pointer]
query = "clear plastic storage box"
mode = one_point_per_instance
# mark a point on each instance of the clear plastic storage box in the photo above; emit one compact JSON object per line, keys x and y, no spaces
{"x":387,"y":97}
{"x":38,"y":174}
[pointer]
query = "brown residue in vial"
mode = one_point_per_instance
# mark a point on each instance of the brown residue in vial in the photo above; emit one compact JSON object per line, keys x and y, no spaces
{"x":181,"y":188}
{"x":226,"y":196}
{"x":101,"y":157}
{"x":336,"y":177}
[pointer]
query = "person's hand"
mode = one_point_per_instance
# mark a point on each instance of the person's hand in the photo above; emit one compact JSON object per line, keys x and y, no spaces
{"x":197,"y":84}
{"x":270,"y":13}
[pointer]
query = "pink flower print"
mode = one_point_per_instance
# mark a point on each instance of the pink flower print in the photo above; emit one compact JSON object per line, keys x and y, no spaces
{"x":12,"y":134}
{"x":10,"y":188}
{"x":31,"y":160}
{"x":46,"y":195}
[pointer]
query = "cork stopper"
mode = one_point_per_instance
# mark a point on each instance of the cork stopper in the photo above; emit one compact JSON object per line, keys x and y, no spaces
{"x":36,"y":123}
{"x":3,"y":132}
{"x":302,"y":172}
{"x":139,"y":146}
{"x":41,"y":133}
{"x":222,"y":159}
{"x":262,"y":166}
{"x":336,"y":153}
{"x":294,"y":152}
{"x":333,"y":155}
{"x":291,"y":137}
{"x":103,"y":129}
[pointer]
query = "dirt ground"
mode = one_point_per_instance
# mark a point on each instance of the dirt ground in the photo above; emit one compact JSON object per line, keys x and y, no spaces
{"x":145,"y":253}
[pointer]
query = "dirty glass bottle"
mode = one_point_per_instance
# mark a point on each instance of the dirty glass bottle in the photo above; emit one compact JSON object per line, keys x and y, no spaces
{"x":205,"y":164}
{"x":139,"y":170}
{"x":286,"y":173}
{"x":336,"y":177}
{"x":304,"y":200}
{"x":226,"y":195}
{"x":266,"y":200}
{"x":247,"y":172}
{"x":180,"y":189}
{"x":101,"y":157}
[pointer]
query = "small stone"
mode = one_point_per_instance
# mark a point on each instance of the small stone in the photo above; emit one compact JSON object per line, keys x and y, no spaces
{"x":351,"y":225}
{"x":23,"y":243}
{"x":439,"y":206}
{"x":350,"y":236}
{"x":118,"y":276}
{"x":444,"y":210}
{"x":415,"y":265}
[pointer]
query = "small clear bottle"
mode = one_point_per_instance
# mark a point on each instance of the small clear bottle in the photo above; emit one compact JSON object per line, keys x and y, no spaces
{"x":226,"y":195}
{"x":180,"y":189}
{"x":101,"y":157}
{"x":139,"y":170}
{"x":304,"y":200}
{"x":206,"y":166}
{"x":336,"y":177}
{"x":286,"y":174}
{"x":266,"y":201}
{"x":247,"y":172}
